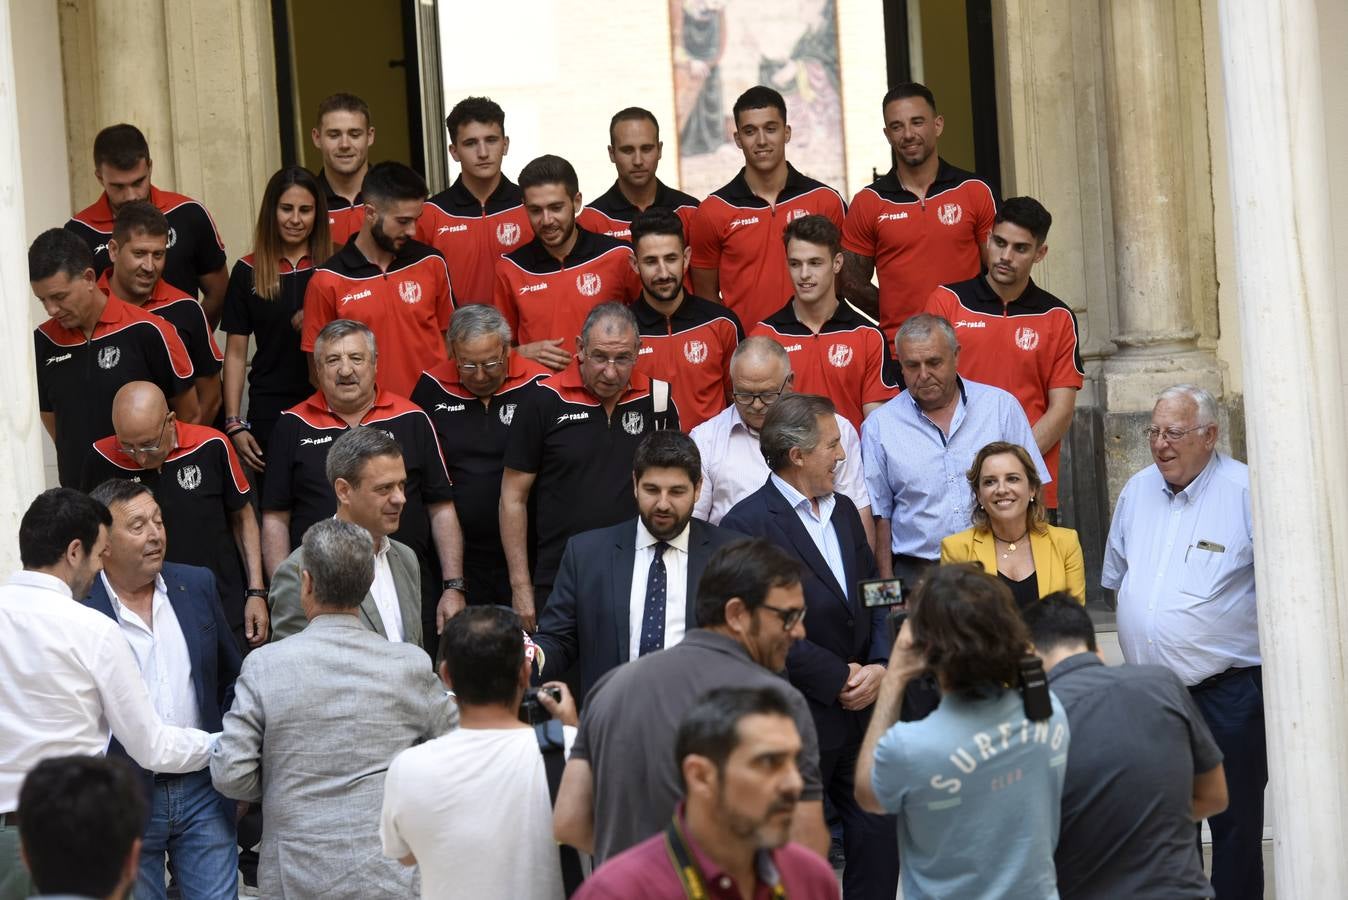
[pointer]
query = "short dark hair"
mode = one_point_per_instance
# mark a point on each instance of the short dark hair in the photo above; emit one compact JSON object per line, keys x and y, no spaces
{"x":483,"y":649}
{"x":965,"y":623}
{"x":906,"y":90}
{"x":711,"y":727}
{"x":758,"y":97}
{"x":54,"y":519}
{"x":748,"y":569}
{"x":1059,"y":620}
{"x":78,"y":818}
{"x":792,"y":422}
{"x":391,"y":181}
{"x":1028,"y":213}
{"x":657,"y":220}
{"x":473,"y":109}
{"x":631,"y":114}
{"x":814,"y":229}
{"x":666,"y":449}
{"x":58,"y":250}
{"x":120,"y":146}
{"x":342,"y":102}
{"x":138,"y":216}
{"x":550,"y":169}
{"x":353,"y":450}
{"x":119,"y":490}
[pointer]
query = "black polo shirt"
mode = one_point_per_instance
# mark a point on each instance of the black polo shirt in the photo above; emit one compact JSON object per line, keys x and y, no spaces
{"x":298,"y":454}
{"x":278,"y":376}
{"x":186,"y":314}
{"x":612,"y":213}
{"x":199,"y":484}
{"x":194,"y":244}
{"x":1138,"y":739}
{"x":691,"y":350}
{"x":77,"y":378}
{"x":582,"y":457}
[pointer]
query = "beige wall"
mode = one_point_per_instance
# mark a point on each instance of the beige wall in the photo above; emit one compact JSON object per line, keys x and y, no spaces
{"x":1333,"y":49}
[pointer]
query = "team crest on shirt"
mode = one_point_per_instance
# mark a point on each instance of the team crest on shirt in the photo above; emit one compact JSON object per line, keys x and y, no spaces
{"x":189,"y":478}
{"x":695,"y":352}
{"x":507,"y":234}
{"x":409,"y":291}
{"x":506,"y":413}
{"x":950,"y":214}
{"x":109,"y":357}
{"x":634,"y":422}
{"x":589,"y":283}
{"x":1027,"y":338}
{"x":173,"y":238}
{"x":839,"y":356}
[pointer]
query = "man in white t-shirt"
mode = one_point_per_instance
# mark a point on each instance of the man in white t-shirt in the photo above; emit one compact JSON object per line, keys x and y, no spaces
{"x":451,"y":804}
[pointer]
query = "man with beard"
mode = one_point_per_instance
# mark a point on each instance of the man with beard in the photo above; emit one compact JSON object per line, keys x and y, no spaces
{"x":343,"y":136}
{"x":644,"y":595}
{"x":737,"y":751}
{"x":387,"y":279}
{"x":547,"y":287}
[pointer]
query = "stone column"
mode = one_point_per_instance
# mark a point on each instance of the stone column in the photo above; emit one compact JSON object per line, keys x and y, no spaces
{"x":1285,"y":280}
{"x":21,"y":447}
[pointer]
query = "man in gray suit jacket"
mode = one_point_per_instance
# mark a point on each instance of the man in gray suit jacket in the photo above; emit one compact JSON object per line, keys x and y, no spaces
{"x":365,"y":467}
{"x":315,"y":723}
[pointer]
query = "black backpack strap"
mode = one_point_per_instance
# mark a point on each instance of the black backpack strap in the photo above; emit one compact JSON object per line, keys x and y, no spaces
{"x":552,"y":744}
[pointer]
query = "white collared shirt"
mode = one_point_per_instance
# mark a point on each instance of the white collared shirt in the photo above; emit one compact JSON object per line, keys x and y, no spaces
{"x":1183,"y":565}
{"x":67,"y":677}
{"x":161,"y":652}
{"x":385,"y":593}
{"x":819,"y":526}
{"x":733,"y":466}
{"x":676,"y":587}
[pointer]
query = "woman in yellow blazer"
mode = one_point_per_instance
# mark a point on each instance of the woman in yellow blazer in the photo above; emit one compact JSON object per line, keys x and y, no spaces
{"x":1010,"y":537}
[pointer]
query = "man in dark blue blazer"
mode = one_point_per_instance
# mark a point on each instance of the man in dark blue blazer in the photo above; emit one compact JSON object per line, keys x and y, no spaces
{"x":171,"y":617}
{"x":630,"y":589}
{"x":839,"y":664}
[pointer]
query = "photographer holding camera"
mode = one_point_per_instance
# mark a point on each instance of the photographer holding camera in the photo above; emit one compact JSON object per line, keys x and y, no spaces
{"x":453,"y":804}
{"x":977,"y":785}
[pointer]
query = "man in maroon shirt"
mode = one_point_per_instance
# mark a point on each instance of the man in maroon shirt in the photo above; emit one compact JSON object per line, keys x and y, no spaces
{"x":737,"y":750}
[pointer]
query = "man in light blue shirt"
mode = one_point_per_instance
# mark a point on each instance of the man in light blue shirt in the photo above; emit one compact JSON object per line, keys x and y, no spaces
{"x":918,"y":447}
{"x":1181,"y":557}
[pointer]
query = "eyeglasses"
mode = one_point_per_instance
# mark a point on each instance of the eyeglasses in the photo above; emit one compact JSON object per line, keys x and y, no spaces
{"x":148,"y":448}
{"x":790,"y":617}
{"x":1171,"y":435}
{"x":488,"y":368}
{"x":767,"y":398}
{"x":625,"y":361}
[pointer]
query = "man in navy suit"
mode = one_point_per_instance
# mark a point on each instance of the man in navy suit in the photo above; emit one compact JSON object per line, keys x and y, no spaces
{"x":171,"y":616}
{"x":839,"y":664}
{"x":631,"y":589}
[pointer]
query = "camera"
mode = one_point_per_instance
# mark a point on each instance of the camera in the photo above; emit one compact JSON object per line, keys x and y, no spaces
{"x":886,"y":592}
{"x":532,"y":710}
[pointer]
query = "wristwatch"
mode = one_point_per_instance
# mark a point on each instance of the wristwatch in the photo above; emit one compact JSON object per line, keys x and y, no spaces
{"x":256,"y":592}
{"x":452,"y":584}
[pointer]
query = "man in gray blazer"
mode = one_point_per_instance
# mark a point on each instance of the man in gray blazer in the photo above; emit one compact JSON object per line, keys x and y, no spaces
{"x":365,"y":468}
{"x":315,"y":723}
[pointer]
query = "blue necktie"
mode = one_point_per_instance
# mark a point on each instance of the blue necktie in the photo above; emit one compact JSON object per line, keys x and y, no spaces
{"x":653,"y":614}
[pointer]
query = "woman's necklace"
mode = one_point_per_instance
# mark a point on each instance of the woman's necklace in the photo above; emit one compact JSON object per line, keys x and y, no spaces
{"x":1011,"y":545}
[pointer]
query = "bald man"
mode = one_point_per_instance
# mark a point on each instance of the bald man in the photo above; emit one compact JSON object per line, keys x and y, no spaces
{"x":203,"y":496}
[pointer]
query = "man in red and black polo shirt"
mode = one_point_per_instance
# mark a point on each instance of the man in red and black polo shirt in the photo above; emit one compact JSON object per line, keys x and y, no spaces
{"x":196,"y":255}
{"x":634,"y":149}
{"x":138,"y":247}
{"x":202,"y":493}
{"x":1014,"y":334}
{"x":297,"y":492}
{"x":736,"y":237}
{"x":685,"y":340}
{"x":343,"y":136}
{"x":923,"y":223}
{"x":471,"y":401}
{"x":571,"y":444}
{"x":481,"y":215}
{"x":387,"y":279}
{"x":835,"y":351}
{"x":546,"y":288}
{"x":92,"y":345}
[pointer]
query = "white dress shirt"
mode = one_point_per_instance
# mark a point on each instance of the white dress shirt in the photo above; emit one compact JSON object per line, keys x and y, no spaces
{"x":161,"y":652}
{"x":385,"y":594}
{"x":1183,"y":565}
{"x":67,"y":676}
{"x":733,"y":466}
{"x":676,"y":587}
{"x":819,"y":526}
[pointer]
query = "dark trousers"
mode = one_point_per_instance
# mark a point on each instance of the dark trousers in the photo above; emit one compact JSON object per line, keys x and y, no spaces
{"x":1233,"y":707}
{"x":486,"y":578}
{"x":870,"y":842}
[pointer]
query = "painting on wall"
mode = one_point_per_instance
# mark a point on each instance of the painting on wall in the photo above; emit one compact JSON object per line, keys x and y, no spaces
{"x":721,"y":48}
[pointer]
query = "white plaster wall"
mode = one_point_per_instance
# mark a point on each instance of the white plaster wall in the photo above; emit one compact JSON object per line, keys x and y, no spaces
{"x":1228,"y":316}
{"x":1333,"y":50}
